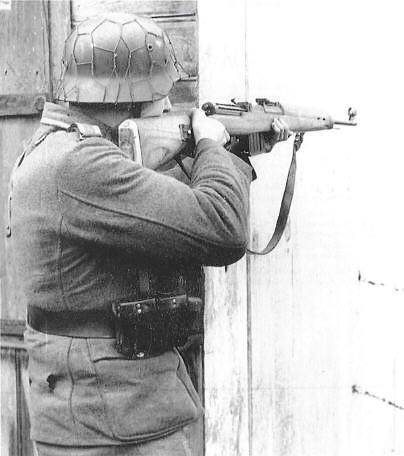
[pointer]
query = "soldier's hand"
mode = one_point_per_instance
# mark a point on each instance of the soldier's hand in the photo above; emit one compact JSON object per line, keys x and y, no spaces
{"x":279,"y":132}
{"x":206,"y":127}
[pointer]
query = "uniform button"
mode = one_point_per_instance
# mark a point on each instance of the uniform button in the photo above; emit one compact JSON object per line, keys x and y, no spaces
{"x":51,"y":379}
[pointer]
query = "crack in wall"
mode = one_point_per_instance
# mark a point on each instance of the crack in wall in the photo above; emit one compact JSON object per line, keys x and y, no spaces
{"x":378,"y":284}
{"x":358,"y":390}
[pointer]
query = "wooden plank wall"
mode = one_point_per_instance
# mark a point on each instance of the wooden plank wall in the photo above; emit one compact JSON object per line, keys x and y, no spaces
{"x":24,"y":70}
{"x":25,"y":82}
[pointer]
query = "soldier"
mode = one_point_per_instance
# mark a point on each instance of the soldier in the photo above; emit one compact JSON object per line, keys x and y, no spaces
{"x":90,"y":229}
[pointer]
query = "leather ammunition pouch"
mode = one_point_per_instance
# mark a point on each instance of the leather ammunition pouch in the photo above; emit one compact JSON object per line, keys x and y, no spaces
{"x":152,"y":326}
{"x":164,"y":315}
{"x":144,"y":328}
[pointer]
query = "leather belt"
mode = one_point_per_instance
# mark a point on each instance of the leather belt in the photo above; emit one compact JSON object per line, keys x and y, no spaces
{"x":83,"y":324}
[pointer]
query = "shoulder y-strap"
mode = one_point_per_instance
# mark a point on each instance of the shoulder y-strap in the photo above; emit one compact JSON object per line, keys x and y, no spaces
{"x":286,"y":201}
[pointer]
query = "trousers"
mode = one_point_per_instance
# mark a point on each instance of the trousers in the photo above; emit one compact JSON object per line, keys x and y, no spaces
{"x":172,"y":445}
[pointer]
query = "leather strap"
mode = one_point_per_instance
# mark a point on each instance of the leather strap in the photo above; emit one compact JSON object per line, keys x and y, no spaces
{"x":83,"y":324}
{"x":286,"y":202}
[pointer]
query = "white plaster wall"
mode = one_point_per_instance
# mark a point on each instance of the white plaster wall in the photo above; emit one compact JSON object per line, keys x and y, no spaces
{"x":222,"y":76}
{"x":314,"y":330}
{"x":347,"y":219}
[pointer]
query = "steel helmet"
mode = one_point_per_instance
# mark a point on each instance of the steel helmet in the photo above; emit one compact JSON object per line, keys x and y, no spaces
{"x":121,"y":58}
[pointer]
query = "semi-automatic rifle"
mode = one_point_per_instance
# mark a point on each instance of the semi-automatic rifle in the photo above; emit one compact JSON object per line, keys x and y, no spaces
{"x":158,"y":142}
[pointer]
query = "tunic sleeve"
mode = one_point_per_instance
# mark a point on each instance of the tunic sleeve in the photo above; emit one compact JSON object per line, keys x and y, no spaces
{"x":110,"y":201}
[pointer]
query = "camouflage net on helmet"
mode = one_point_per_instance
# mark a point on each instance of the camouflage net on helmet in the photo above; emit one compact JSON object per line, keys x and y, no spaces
{"x":119,"y":59}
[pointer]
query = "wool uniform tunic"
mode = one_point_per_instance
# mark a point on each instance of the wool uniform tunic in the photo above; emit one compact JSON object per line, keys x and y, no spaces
{"x":85,"y":223}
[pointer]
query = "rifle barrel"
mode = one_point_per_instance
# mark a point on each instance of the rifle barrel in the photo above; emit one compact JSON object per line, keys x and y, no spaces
{"x":345,"y":122}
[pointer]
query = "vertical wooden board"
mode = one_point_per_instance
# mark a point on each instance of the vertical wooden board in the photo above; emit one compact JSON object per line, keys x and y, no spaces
{"x":60,"y":20}
{"x":221,"y":77}
{"x":22,"y":403}
{"x":24,"y":48}
{"x":184,"y":95}
{"x":82,"y":9}
{"x":301,"y":323}
{"x":24,"y":68}
{"x":226,"y":381}
{"x":272,"y":355}
{"x":325,"y":289}
{"x":9,"y":427}
{"x":13,"y":131}
{"x":183,"y":36}
{"x":272,"y":325}
{"x":15,"y":426}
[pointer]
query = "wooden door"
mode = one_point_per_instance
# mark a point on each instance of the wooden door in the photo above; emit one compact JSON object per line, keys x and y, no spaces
{"x":25,"y":84}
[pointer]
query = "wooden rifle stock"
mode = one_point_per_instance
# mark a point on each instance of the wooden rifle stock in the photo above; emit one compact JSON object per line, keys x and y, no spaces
{"x":156,"y":141}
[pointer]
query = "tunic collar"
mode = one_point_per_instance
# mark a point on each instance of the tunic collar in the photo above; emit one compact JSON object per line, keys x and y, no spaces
{"x":66,"y":118}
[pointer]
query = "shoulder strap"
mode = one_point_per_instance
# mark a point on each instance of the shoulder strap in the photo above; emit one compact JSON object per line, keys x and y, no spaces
{"x":286,"y":201}
{"x":86,"y":130}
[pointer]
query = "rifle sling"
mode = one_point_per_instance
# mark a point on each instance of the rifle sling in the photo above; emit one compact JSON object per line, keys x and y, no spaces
{"x":286,"y":202}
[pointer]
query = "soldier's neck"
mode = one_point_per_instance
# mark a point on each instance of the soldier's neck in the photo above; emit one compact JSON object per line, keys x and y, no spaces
{"x":113,"y":115}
